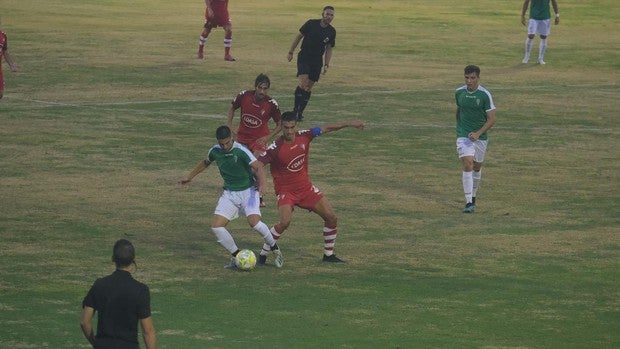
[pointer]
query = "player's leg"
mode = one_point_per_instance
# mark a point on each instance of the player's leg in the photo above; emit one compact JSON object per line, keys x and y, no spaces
{"x":330,"y":229}
{"x":225,"y":211}
{"x":544,"y":29}
{"x":531,"y":33}
{"x":480,"y":147}
{"x":206,"y":30}
{"x":228,"y":42}
{"x":285,"y":212}
{"x":465,"y":149}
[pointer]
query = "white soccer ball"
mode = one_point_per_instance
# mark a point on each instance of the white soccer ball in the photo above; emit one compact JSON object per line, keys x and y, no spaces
{"x":245,"y":259}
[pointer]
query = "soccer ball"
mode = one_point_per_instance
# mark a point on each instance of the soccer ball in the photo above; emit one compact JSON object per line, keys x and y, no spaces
{"x":245,"y":259}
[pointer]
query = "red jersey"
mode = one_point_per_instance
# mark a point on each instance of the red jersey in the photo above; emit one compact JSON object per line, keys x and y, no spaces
{"x":289,"y":161}
{"x":255,"y":116}
{"x":220,"y":13}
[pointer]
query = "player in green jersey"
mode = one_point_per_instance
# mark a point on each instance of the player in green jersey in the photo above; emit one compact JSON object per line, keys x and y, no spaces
{"x":239,"y":168}
{"x":539,"y":23}
{"x":475,"y":115}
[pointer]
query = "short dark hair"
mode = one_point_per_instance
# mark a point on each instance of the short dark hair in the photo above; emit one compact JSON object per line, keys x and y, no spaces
{"x":222,"y":132}
{"x":262,"y":79}
{"x":472,"y":69}
{"x":289,"y":116}
{"x":123,"y":253}
{"x":328,"y":8}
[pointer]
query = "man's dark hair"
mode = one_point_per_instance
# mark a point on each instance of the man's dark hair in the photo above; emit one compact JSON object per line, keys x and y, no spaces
{"x":289,"y":116}
{"x":472,"y":69}
{"x":123,"y":253}
{"x":262,"y":79}
{"x":328,"y":8}
{"x":222,"y":132}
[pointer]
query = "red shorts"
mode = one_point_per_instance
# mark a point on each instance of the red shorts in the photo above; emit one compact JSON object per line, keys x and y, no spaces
{"x":305,"y":198}
{"x":220,"y":18}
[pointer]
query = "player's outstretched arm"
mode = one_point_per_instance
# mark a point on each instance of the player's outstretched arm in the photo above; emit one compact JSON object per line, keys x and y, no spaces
{"x":358,"y":124}
{"x":201,"y":166}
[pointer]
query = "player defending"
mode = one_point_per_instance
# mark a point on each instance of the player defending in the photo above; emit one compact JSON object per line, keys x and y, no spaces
{"x":4,"y":52}
{"x":288,"y":159}
{"x":216,"y":15}
{"x":238,"y":167}
{"x":540,"y":23}
{"x":475,"y":115}
{"x":319,"y":37}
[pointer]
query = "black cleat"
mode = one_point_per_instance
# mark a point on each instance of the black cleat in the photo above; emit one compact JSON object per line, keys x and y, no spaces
{"x":332,"y":259}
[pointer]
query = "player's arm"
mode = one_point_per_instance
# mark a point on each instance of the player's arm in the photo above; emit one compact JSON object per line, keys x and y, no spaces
{"x":487,"y":125}
{"x":328,"y":58}
{"x":458,"y":110}
{"x":526,"y":4}
{"x":9,"y":61}
{"x":358,"y":124}
{"x":201,"y":166}
{"x":229,"y":119}
{"x":554,"y":4}
{"x":296,"y":41}
{"x":259,"y":171}
{"x":148,"y":333}
{"x":86,"y":324}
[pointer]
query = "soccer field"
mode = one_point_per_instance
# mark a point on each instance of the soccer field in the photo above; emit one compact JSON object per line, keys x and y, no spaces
{"x":110,"y":108}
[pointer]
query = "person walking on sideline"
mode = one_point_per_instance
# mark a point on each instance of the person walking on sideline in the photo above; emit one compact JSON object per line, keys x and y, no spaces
{"x":319,"y":37}
{"x":475,"y":115}
{"x":239,"y":168}
{"x":288,"y":160}
{"x":120,"y":302}
{"x":539,"y":23}
{"x":216,"y":15}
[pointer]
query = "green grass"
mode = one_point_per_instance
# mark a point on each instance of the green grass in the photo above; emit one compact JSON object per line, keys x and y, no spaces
{"x":110,"y":109}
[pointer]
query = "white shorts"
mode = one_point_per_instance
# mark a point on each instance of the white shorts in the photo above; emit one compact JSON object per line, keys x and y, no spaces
{"x":477,"y":149}
{"x":539,"y":27}
{"x":234,"y":203}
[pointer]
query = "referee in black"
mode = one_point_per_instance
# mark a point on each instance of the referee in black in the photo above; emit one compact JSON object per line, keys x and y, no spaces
{"x":319,"y":37}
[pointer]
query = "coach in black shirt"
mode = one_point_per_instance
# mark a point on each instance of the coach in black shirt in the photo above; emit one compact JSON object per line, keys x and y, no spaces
{"x":121,"y":302}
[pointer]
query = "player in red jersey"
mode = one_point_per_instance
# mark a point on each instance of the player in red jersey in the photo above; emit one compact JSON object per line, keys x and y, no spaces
{"x":256,"y":110}
{"x":288,"y":159}
{"x":4,"y":52}
{"x":216,"y":15}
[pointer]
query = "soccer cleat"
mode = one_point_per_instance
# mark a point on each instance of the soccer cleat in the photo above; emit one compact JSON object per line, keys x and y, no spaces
{"x":262,"y":259}
{"x":469,"y":208}
{"x":541,"y":62}
{"x":229,"y":58}
{"x":232,"y":264}
{"x":525,"y":60}
{"x":279,"y":262}
{"x":332,"y":259}
{"x":299,"y":117}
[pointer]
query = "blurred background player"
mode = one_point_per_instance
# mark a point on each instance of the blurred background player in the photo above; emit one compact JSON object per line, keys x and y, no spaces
{"x":475,"y":115}
{"x":319,"y":37}
{"x":257,"y":108}
{"x":239,"y":168}
{"x":288,"y":159}
{"x":539,"y":23}
{"x":216,"y":15}
{"x":4,"y":52}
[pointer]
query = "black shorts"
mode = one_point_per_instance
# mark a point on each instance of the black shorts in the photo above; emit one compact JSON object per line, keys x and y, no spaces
{"x":312,"y":68}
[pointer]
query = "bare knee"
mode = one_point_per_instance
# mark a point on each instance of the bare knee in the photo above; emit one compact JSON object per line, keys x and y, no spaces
{"x":531,"y":36}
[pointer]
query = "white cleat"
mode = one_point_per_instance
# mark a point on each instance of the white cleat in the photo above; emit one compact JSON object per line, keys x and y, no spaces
{"x":541,"y":62}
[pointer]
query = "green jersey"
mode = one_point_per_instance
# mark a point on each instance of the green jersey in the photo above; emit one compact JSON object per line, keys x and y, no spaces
{"x":539,"y":10}
{"x":473,"y":107}
{"x":234,"y":166}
